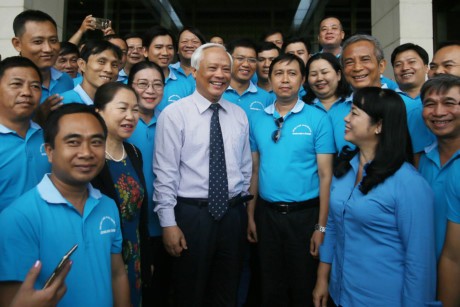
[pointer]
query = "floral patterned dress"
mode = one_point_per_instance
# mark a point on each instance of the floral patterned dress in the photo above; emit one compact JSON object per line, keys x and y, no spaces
{"x":130,"y":196}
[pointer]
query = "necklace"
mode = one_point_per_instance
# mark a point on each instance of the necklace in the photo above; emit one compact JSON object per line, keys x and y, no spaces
{"x":116,"y":160}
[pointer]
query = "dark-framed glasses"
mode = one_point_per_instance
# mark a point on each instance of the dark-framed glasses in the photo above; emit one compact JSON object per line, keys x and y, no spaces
{"x":276,"y":135}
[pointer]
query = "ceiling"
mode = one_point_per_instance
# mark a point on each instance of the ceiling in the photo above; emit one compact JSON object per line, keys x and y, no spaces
{"x":228,"y":18}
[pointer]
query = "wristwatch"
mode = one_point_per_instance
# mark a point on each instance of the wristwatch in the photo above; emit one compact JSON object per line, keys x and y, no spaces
{"x":320,"y":228}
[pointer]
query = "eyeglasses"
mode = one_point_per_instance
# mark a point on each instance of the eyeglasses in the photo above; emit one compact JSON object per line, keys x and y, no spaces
{"x":242,"y":59}
{"x":143,"y":85}
{"x":137,"y":48}
{"x":276,"y":135}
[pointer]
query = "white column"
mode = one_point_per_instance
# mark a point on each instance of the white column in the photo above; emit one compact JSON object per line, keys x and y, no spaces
{"x":395,"y":22}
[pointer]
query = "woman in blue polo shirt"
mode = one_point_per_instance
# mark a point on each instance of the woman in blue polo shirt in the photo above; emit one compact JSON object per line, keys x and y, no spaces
{"x":379,"y":243}
{"x":122,"y":179}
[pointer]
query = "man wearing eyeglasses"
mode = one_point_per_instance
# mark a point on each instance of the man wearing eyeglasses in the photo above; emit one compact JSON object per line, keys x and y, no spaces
{"x":242,"y":91}
{"x":292,"y":147}
{"x":135,"y":51}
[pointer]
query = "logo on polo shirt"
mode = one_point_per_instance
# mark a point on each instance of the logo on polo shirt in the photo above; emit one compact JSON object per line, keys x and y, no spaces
{"x":42,"y":149}
{"x":256,"y":106}
{"x":107,"y":225}
{"x":301,"y":129}
{"x":174,"y":98}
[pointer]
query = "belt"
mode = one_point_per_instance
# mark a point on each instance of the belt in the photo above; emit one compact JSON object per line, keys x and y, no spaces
{"x":285,"y":207}
{"x":203,"y":202}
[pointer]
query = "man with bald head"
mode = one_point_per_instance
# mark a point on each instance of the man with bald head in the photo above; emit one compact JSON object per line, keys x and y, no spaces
{"x":446,"y":60}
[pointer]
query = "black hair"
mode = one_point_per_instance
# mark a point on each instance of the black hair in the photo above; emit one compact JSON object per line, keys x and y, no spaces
{"x":343,"y":88}
{"x":439,"y":84}
{"x":68,"y":48}
{"x":394,"y":146}
{"x":264,"y":46}
{"x":287,"y":57}
{"x":30,"y":15}
{"x":270,"y":32}
{"x":18,"y":61}
{"x":195,"y":31}
{"x":155,"y":31}
{"x":409,"y":46}
{"x":297,"y":39}
{"x":241,"y":42}
{"x":132,"y":35}
{"x":93,"y":47}
{"x":106,"y":92}
{"x":448,"y":44}
{"x":51,"y":126}
{"x":144,"y":65}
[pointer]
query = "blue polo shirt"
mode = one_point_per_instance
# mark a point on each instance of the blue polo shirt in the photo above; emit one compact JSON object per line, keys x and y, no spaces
{"x":77,"y":95}
{"x":143,"y":137}
{"x":122,"y":77}
{"x":431,"y":169}
{"x":23,"y":162}
{"x":288,"y":169}
{"x":60,"y":82}
{"x":453,"y":192}
{"x":380,"y":244}
{"x":176,"y":87}
{"x":337,"y":113}
{"x":179,"y":71}
{"x":420,"y":135}
{"x":43,"y":225}
{"x":253,"y":100}
{"x":392,"y":85}
{"x":78,"y":79}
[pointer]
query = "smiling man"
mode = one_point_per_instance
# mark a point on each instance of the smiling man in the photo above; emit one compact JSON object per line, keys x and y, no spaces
{"x":64,"y":210}
{"x":98,"y":62}
{"x":22,"y":155}
{"x":331,"y":35}
{"x":292,"y":146}
{"x":202,"y":163}
{"x":36,"y":38}
{"x":446,"y":60}
{"x":160,"y":47}
{"x":441,"y":113}
{"x":410,"y":66}
{"x":242,"y":91}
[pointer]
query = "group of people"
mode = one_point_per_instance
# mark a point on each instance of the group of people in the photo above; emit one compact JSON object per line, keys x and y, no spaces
{"x":250,"y":174}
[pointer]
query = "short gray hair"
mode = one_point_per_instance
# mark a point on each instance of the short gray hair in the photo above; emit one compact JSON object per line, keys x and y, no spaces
{"x":378,"y":50}
{"x":197,"y":56}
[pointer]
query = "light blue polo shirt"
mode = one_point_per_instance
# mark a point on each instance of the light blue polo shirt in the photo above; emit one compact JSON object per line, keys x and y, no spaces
{"x":176,"y":87}
{"x":420,"y":135}
{"x":78,"y":79}
{"x":143,"y":137}
{"x":392,"y":85}
{"x":42,"y":225}
{"x":337,"y":113}
{"x":23,"y":162}
{"x":288,"y":169}
{"x":179,"y":71}
{"x":453,"y":192}
{"x":60,"y":82}
{"x":77,"y":95}
{"x":431,"y":169}
{"x":253,"y":100}
{"x":122,"y":77}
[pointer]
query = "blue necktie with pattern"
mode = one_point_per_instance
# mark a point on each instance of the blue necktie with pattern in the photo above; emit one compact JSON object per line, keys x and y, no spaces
{"x":218,"y":182}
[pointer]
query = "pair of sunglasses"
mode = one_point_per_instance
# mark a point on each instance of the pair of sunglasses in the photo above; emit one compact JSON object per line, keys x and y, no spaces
{"x":276,"y":135}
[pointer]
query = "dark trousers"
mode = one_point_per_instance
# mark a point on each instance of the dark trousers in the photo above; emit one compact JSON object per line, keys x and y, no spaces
{"x":288,"y":271}
{"x":207,"y":273}
{"x":159,"y":294}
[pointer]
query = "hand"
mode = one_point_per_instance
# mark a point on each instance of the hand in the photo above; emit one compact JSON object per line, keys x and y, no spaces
{"x":88,"y":24}
{"x":28,"y":296}
{"x":174,"y":240}
{"x":315,"y":241}
{"x":252,"y":231}
{"x":320,"y":294}
{"x":108,"y":30}
{"x":50,"y":104}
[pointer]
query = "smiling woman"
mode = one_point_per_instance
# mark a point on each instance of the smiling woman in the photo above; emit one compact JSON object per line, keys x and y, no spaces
{"x":123,"y":180}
